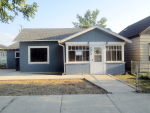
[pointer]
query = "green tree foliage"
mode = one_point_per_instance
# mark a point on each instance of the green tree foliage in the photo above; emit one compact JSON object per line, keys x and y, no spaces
{"x":13,"y":7}
{"x":89,"y":20}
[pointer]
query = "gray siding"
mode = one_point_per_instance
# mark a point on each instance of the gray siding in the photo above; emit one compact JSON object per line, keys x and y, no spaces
{"x":55,"y":58}
{"x":115,"y":68}
{"x":96,"y":35}
{"x":11,"y":59}
{"x":72,"y":69}
{"x":132,"y":52}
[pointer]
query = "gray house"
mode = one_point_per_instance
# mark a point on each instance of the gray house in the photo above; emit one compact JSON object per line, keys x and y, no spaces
{"x":139,"y":49}
{"x":12,"y":50}
{"x":94,"y":50}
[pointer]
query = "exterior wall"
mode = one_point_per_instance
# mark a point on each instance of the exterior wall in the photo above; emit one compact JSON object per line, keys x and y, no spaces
{"x":132,"y":52}
{"x":96,"y":35}
{"x":3,"y":57}
{"x":115,"y":68}
{"x":55,"y":58}
{"x":144,"y":50}
{"x":11,"y":59}
{"x":72,"y":69}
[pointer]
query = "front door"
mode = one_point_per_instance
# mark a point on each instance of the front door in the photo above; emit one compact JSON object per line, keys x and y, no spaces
{"x":97,"y":60}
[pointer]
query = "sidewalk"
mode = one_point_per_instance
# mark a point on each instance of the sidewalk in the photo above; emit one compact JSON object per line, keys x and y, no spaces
{"x":98,"y":103}
{"x":108,"y":83}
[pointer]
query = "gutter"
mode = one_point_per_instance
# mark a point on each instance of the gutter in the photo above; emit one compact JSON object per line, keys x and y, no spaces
{"x":63,"y":56}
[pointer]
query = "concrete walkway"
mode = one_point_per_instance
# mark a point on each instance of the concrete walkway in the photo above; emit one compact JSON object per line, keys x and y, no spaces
{"x":108,"y":83}
{"x":100,"y":103}
{"x":122,"y":100}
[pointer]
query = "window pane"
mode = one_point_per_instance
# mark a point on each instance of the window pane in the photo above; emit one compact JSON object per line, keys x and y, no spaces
{"x":73,"y":47}
{"x":97,"y":58}
{"x":71,"y":55}
{"x":108,"y":55}
{"x":83,"y":47}
{"x":85,"y":55}
{"x":97,"y":51}
{"x":69,"y":47}
{"x":87,"y":47}
{"x":80,"y":47}
{"x":77,"y":47}
{"x":110,"y":47}
{"x":113,"y":55}
{"x":17,"y":54}
{"x":119,"y":56}
{"x":38,"y":54}
{"x":78,"y":58}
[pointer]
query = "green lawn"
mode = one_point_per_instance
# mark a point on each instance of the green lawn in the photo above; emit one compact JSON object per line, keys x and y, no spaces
{"x":131,"y":79}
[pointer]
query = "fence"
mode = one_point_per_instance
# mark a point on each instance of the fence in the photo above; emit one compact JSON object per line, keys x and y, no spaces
{"x":142,"y":73}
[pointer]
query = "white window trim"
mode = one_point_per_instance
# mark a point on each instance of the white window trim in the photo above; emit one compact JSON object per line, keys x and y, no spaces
{"x":29,"y":47}
{"x":15,"y":54}
{"x":116,"y":44}
{"x":76,"y":44}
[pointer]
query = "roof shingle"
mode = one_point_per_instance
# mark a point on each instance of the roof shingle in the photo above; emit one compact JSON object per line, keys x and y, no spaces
{"x":46,"y":34}
{"x":136,"y":28}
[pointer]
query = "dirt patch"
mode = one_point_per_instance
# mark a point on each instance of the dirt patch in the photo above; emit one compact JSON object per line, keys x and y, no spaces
{"x":48,"y":87}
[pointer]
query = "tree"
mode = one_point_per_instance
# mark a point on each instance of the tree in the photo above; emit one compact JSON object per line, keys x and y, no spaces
{"x":14,"y":7}
{"x":89,"y":20}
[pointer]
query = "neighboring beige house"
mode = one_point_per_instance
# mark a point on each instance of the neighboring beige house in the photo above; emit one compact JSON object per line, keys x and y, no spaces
{"x":139,"y":49}
{"x":3,"y":55}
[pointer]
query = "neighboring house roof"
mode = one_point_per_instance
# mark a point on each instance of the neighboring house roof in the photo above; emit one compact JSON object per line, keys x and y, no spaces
{"x":46,"y":34}
{"x":12,"y":46}
{"x":136,"y":28}
{"x":2,"y":46}
{"x":96,"y":27}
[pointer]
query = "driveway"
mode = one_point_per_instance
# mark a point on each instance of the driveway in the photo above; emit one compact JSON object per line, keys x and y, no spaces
{"x":12,"y":74}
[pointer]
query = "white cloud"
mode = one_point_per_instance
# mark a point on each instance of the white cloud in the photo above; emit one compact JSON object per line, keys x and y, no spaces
{"x":10,"y":36}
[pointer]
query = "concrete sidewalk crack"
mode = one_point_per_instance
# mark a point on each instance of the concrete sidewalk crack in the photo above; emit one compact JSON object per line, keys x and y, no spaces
{"x":114,"y":103}
{"x":8,"y":104}
{"x":61,"y":103}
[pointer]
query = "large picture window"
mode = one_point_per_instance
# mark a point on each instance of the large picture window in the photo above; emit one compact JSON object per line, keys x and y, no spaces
{"x":78,"y":53}
{"x":114,"y":53}
{"x":38,"y":54}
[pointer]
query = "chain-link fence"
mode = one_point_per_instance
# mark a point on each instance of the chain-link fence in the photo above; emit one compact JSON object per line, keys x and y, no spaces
{"x":142,"y":73}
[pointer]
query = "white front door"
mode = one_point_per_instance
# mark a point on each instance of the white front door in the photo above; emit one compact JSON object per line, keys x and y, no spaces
{"x":97,"y":60}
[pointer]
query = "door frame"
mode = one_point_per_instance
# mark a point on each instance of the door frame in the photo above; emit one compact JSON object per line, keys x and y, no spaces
{"x":91,"y":45}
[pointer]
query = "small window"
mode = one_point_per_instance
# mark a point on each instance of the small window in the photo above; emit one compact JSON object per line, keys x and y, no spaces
{"x":38,"y":54}
{"x":17,"y":54}
{"x":113,"y":53}
{"x":78,"y":53}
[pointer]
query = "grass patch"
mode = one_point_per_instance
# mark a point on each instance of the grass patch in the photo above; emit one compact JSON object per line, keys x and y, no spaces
{"x":131,"y":79}
{"x":48,"y":87}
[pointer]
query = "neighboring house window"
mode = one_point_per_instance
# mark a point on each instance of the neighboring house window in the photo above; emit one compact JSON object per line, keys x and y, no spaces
{"x":17,"y":54}
{"x":38,"y":54}
{"x":114,"y":53}
{"x":78,"y":53}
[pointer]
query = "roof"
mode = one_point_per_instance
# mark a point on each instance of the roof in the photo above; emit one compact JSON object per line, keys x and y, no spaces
{"x":13,"y":46}
{"x":96,"y":27}
{"x":2,"y":46}
{"x":136,"y":28}
{"x":46,"y":34}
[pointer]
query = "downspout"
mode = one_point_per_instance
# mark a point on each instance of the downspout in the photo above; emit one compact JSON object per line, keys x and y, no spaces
{"x":63,"y":57}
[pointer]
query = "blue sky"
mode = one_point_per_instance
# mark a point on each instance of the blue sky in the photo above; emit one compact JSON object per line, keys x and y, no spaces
{"x":61,"y":14}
